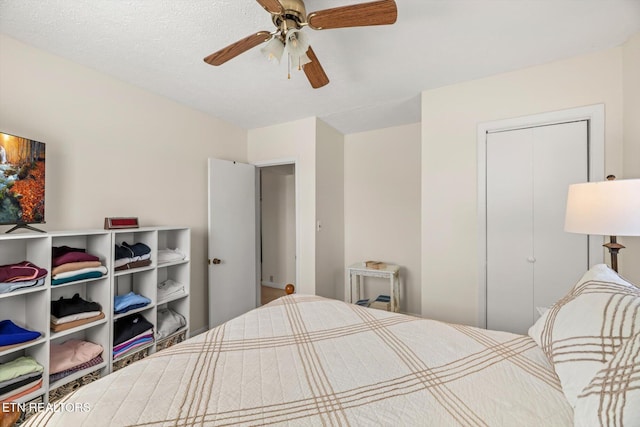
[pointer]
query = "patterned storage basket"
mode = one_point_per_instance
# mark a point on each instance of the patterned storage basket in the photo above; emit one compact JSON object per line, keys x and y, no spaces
{"x":60,"y":392}
{"x":171,"y":340}
{"x":128,"y":360}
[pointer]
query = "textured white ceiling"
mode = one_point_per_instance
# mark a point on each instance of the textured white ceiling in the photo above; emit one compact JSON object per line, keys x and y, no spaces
{"x":377,"y":73}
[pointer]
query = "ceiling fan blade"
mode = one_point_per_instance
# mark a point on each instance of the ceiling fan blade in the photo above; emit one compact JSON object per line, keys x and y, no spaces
{"x":235,"y":49}
{"x":383,"y":12}
{"x":272,"y":6}
{"x":314,"y":71}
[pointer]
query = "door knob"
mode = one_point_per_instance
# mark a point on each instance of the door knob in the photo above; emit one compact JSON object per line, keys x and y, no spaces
{"x":530,"y":259}
{"x":216,"y":261}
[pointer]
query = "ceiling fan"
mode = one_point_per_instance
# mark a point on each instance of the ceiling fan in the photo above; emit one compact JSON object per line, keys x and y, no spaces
{"x":289,"y":16}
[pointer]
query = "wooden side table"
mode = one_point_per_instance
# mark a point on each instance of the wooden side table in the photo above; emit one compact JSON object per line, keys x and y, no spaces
{"x":357,"y":273}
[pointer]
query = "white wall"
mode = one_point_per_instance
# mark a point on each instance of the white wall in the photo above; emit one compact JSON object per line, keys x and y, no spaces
{"x":329,"y":212}
{"x":294,"y":141}
{"x":382,"y":206}
{"x":115,"y":150}
{"x":631,"y":145}
{"x":450,"y":116}
{"x":278,"y":225}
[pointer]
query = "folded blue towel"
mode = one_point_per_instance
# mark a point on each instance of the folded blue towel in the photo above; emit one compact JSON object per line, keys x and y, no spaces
{"x":11,"y":334}
{"x":383,"y":298}
{"x":124,"y":303}
{"x":363,"y":302}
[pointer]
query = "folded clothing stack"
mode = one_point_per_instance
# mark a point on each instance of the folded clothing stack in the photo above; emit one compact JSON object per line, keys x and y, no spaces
{"x":170,"y":255}
{"x":67,"y":313}
{"x":12,"y":335}
{"x":72,"y":356}
{"x":19,"y":377}
{"x":170,"y":289}
{"x":131,"y":332}
{"x":128,"y":302}
{"x":131,"y":256}
{"x":169,"y":321}
{"x":20,"y":275}
{"x":71,"y":264}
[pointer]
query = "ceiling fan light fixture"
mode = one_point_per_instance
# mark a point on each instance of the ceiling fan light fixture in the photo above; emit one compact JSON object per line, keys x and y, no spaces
{"x":273,"y":50}
{"x":296,"y":43}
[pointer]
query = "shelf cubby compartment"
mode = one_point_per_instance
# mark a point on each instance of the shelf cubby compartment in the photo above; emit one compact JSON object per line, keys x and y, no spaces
{"x":97,"y":333}
{"x":175,"y":238}
{"x":131,"y":237}
{"x":96,"y":243}
{"x":40,"y":352}
{"x":16,"y":248}
{"x":179,"y":305}
{"x":178,"y":273}
{"x":26,"y":311}
{"x":98,"y":290}
{"x":140,"y":282}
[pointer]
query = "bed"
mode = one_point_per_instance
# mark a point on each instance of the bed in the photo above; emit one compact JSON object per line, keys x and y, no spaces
{"x":307,"y":360}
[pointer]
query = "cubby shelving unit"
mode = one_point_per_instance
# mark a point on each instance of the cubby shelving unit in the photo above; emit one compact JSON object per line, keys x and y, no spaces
{"x":96,"y":243}
{"x":31,"y":307}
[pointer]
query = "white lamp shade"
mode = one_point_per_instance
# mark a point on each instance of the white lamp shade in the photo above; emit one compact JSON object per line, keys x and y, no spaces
{"x":609,"y":208}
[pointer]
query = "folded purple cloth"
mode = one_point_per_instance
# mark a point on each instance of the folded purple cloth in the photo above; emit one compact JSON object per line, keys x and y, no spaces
{"x":143,"y":338}
{"x":73,"y":257}
{"x":11,"y":334}
{"x":20,"y":272}
{"x":93,"y":362}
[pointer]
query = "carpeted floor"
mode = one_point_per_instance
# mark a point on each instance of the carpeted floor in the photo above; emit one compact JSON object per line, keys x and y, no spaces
{"x":268,"y":294}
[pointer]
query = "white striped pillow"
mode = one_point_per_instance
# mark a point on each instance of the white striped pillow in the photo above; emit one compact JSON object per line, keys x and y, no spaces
{"x":581,"y":333}
{"x":612,"y":398}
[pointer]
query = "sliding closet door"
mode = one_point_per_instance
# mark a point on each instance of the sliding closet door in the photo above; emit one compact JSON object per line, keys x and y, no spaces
{"x":531,"y":260}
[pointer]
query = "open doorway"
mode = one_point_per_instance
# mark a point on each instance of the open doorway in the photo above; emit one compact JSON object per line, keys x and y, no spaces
{"x":278,"y":230}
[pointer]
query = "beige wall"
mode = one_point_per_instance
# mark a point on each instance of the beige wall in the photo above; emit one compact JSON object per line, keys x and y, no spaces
{"x":294,"y":141}
{"x":115,"y":150}
{"x":329,"y":211}
{"x":382,"y":206}
{"x":450,"y":116}
{"x":628,"y":258}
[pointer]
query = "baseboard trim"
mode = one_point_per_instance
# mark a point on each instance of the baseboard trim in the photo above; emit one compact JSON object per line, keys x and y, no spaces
{"x":273,"y":285}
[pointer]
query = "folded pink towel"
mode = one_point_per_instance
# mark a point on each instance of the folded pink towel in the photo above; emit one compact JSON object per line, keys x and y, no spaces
{"x":71,"y":353}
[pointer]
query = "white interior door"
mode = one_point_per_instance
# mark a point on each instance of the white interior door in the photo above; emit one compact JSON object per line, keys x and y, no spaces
{"x":509,"y":230}
{"x":233,"y":236}
{"x":531,"y":260}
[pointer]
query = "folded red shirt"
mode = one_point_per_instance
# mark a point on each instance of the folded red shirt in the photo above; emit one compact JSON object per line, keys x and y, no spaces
{"x":20,"y":272}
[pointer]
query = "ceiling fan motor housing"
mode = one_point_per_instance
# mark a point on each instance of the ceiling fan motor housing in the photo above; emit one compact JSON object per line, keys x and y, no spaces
{"x":295,"y":15}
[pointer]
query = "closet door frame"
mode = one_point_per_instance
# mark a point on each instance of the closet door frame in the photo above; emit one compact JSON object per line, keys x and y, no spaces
{"x":594,"y":114}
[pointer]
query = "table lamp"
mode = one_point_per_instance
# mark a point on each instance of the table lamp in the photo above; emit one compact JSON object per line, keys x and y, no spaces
{"x":608,"y":208}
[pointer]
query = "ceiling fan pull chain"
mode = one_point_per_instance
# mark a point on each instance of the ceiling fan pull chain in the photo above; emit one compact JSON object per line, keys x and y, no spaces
{"x":288,"y":67}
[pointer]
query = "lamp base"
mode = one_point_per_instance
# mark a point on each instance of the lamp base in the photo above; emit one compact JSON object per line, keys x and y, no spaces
{"x":614,"y":247}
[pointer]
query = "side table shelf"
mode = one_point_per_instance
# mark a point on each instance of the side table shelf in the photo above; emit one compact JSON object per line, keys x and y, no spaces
{"x":358,"y":271}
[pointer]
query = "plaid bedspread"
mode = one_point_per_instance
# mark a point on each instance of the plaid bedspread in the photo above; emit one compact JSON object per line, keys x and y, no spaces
{"x":306,"y":360}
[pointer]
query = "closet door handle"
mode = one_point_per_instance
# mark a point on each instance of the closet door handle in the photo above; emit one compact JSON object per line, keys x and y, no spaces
{"x":531,"y":259}
{"x":216,"y":261}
